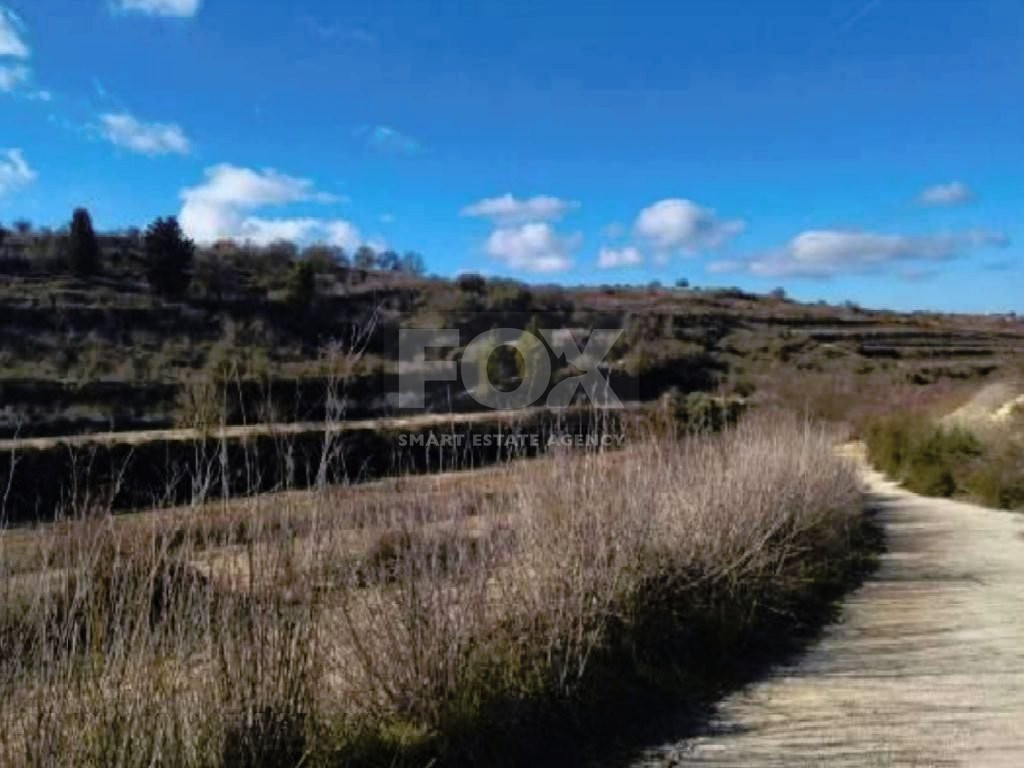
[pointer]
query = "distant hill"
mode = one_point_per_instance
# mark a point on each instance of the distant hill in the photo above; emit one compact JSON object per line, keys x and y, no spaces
{"x":84,"y":354}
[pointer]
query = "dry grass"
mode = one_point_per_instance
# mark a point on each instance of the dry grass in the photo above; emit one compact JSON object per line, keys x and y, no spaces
{"x":397,"y":626}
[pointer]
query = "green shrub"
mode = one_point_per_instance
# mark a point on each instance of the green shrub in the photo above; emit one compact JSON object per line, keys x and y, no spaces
{"x":999,"y":480}
{"x":943,"y":461}
{"x":301,"y":287}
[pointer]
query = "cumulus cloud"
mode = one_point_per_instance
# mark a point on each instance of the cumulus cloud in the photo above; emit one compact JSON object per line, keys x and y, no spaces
{"x":14,"y":171}
{"x":12,"y":77}
{"x":13,"y":74}
{"x":223,"y":206}
{"x":334,"y":232}
{"x":124,"y":130}
{"x":828,"y":253}
{"x":388,"y":140}
{"x":953,"y":193}
{"x":677,"y":225}
{"x":179,"y":8}
{"x":508,"y":210}
{"x":264,"y":231}
{"x":346,"y":235}
{"x":11,"y":41}
{"x":532,"y":247}
{"x":611,"y":258}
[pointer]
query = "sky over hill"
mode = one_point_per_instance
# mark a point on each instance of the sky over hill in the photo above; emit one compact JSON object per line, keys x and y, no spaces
{"x":846,"y":149}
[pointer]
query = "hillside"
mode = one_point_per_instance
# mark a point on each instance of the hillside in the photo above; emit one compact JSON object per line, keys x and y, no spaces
{"x":106,"y":352}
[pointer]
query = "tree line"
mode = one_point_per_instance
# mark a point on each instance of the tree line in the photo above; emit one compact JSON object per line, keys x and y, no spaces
{"x":169,"y":257}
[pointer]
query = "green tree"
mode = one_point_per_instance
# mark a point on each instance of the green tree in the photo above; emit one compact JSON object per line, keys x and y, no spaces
{"x":83,"y":247}
{"x":325,"y":258}
{"x":470,"y":282}
{"x":169,"y":256}
{"x":301,"y":287}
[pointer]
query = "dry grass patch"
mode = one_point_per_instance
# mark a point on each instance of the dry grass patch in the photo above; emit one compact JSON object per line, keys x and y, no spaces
{"x":423,"y":623}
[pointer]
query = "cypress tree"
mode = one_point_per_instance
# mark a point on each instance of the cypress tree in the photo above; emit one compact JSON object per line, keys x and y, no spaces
{"x":83,"y":247}
{"x":169,"y":256}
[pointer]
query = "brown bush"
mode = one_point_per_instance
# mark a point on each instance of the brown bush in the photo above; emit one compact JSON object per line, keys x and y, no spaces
{"x":397,"y":627}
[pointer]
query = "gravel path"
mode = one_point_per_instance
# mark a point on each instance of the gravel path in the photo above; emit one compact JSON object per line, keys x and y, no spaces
{"x":925,"y":667}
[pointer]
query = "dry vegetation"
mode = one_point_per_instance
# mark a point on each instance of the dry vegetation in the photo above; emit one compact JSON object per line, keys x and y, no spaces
{"x":340,"y":628}
{"x":976,"y":450}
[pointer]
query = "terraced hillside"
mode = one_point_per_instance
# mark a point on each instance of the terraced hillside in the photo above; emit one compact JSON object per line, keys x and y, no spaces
{"x":255,"y":336}
{"x":108,"y":353}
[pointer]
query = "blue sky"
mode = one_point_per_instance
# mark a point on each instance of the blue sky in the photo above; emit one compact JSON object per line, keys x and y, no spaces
{"x":845,"y":149}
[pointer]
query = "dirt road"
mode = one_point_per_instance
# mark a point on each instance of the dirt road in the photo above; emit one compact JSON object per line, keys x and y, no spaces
{"x":925,"y":667}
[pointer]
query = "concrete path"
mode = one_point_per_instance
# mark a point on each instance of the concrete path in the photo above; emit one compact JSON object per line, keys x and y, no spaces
{"x":237,"y":432}
{"x":924,"y":668}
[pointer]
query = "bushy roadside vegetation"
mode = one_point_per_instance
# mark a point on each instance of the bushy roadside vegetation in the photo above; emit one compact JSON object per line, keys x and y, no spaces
{"x":464,"y":627}
{"x":949,"y":460}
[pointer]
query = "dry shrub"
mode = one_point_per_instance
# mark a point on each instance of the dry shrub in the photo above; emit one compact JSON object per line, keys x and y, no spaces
{"x":526,"y":616}
{"x":199,"y":404}
{"x":400,"y":627}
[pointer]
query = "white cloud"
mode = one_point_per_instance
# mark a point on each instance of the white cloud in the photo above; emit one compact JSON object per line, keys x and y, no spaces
{"x":11,"y":42}
{"x":682,"y":225}
{"x":14,"y":171}
{"x":828,"y":253}
{"x":345,"y":235}
{"x":508,"y":210}
{"x":953,"y":193}
{"x":611,"y":258}
{"x":222,"y":207}
{"x":12,"y":77}
{"x":524,"y":238}
{"x":532,"y":247}
{"x":230,"y":185}
{"x":263,"y":231}
{"x":384,"y":138}
{"x":180,"y":8}
{"x":124,"y":130}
